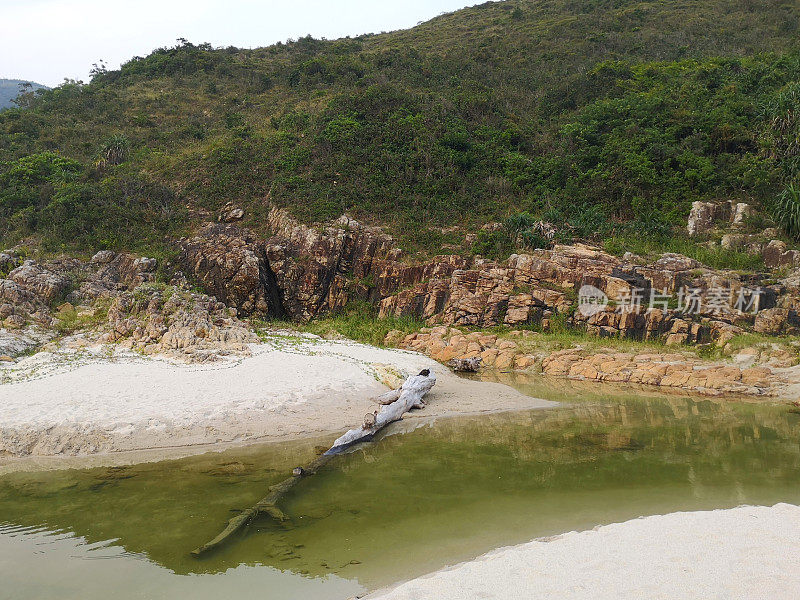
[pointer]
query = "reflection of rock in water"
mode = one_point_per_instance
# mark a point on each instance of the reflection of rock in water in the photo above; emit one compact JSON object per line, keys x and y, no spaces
{"x":678,"y":423}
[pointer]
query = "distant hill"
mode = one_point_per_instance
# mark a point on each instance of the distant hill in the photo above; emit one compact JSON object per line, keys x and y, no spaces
{"x":9,"y":89}
{"x":611,"y":115}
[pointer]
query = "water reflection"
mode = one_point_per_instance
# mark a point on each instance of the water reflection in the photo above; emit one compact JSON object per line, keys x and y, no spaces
{"x":442,"y":493}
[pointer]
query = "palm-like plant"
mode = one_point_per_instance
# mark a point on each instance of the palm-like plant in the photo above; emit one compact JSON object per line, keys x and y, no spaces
{"x":114,"y":151}
{"x":787,"y":210}
{"x":781,"y":114}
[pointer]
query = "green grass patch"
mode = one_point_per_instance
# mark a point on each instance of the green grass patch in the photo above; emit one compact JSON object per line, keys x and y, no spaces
{"x":69,"y":320}
{"x":357,"y":321}
{"x":715,"y":257}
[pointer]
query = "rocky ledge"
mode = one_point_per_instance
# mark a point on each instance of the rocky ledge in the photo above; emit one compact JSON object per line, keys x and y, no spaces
{"x":669,"y":370}
{"x":301,"y":272}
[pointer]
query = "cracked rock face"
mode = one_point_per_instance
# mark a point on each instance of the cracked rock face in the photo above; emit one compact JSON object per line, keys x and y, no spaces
{"x":232,"y":265}
{"x":46,"y":286}
{"x":777,"y":321}
{"x":702,"y":217}
{"x":302,"y":272}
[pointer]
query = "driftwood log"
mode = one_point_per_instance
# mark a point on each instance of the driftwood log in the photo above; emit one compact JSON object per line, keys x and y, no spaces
{"x":394,"y":404}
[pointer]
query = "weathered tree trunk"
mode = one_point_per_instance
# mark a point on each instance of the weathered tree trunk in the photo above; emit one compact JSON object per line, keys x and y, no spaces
{"x":394,"y":405}
{"x":409,"y":395}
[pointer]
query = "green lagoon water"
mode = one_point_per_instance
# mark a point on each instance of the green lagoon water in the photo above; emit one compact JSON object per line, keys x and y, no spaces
{"x":442,"y":492}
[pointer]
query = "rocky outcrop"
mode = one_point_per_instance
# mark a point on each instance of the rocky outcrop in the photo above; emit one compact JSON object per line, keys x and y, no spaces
{"x":704,"y":215}
{"x":659,"y":369}
{"x":533,"y":288}
{"x":230,"y":213}
{"x":45,"y":285}
{"x":231,"y":264}
{"x":123,"y":270}
{"x":114,"y":298}
{"x":665,"y":370}
{"x":484,"y":296}
{"x":177,"y":323}
{"x":320,"y":269}
{"x":28,"y":293}
{"x":14,"y":341}
{"x":672,"y":271}
{"x":301,"y":272}
{"x":739,"y":212}
{"x":673,"y":328}
{"x":8,"y":262}
{"x":776,"y":254}
{"x":777,"y":321}
{"x":448,"y":343}
{"x":526,"y":289}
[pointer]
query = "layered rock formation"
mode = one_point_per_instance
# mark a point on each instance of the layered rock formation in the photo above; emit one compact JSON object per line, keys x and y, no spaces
{"x":301,"y":272}
{"x":231,"y":264}
{"x":114,"y":298}
{"x":665,"y":370}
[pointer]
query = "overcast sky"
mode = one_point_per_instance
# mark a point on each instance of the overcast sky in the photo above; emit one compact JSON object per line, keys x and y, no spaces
{"x":48,"y":40}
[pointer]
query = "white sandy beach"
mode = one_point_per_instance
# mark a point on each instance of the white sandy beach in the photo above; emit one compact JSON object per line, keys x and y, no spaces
{"x":291,"y":388}
{"x":745,"y":553}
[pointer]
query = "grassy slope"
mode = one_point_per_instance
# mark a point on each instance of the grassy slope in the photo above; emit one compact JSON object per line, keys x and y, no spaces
{"x":598,"y":113}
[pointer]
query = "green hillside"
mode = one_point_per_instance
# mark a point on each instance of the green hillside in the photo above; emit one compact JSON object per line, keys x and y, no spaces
{"x":10,"y":89}
{"x":612,"y":115}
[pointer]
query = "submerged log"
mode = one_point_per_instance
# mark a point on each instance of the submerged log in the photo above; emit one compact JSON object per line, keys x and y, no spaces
{"x":266,"y":506}
{"x":407,"y":396}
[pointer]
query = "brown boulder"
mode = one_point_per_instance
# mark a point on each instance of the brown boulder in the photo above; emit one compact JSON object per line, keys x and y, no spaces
{"x":46,"y":285}
{"x":776,"y":321}
{"x":231,"y":264}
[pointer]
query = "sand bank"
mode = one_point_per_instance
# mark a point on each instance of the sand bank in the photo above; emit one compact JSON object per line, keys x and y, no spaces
{"x":746,"y":552}
{"x":290,"y":387}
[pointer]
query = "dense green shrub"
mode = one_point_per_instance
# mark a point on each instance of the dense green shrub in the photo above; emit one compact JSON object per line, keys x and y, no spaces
{"x":114,"y":151}
{"x":781,"y":114}
{"x":59,"y":200}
